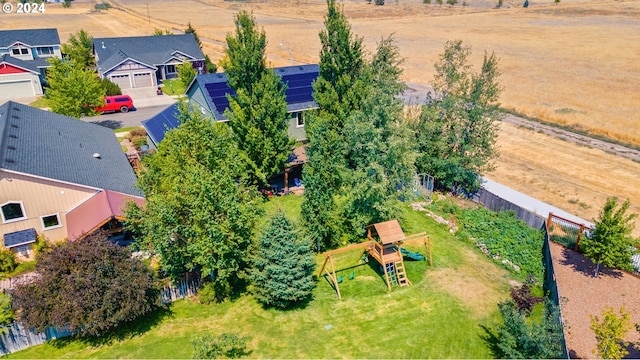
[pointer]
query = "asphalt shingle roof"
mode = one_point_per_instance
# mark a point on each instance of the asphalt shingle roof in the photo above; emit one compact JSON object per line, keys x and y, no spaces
{"x":32,"y":37}
{"x":54,"y":146}
{"x":29,"y":65}
{"x":149,"y":50}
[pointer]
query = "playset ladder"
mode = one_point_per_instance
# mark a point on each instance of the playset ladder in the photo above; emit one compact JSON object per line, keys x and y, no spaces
{"x":401,"y":274}
{"x":390,"y":273}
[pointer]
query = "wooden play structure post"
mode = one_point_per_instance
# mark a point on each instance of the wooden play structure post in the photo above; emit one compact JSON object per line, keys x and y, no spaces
{"x":387,"y":252}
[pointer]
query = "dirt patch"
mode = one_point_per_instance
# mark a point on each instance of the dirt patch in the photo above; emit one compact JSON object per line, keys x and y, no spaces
{"x":583,"y":295}
{"x":475,"y":286}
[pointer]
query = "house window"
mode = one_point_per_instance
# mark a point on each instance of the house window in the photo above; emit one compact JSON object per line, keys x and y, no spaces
{"x":50,"y":221}
{"x":171,"y":69}
{"x":20,"y":51}
{"x":23,"y":250}
{"x":45,"y":51}
{"x":12,"y":211}
{"x":300,"y":120}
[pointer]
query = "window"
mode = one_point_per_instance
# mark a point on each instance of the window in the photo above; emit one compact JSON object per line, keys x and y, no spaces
{"x":20,"y":51}
{"x":12,"y":211}
{"x":50,"y":221}
{"x":171,"y":69}
{"x":300,"y":122}
{"x":43,"y":51}
{"x":16,"y":51}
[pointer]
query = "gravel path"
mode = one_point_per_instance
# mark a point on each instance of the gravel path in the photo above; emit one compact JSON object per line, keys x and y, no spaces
{"x":582,"y":295}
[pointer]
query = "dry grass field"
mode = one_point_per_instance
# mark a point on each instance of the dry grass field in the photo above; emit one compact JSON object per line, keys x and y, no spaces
{"x":573,"y":63}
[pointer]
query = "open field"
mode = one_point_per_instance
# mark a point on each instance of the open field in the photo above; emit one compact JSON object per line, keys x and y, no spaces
{"x":574,"y":63}
{"x":448,"y":312}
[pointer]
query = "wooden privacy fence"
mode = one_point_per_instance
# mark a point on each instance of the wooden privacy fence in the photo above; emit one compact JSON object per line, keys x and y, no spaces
{"x":18,"y":337}
{"x":494,"y":202}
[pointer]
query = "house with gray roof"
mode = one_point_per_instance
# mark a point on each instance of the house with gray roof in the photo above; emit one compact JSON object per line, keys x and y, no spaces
{"x":208,"y":94}
{"x":23,"y":61}
{"x":60,"y":177}
{"x":143,"y":61}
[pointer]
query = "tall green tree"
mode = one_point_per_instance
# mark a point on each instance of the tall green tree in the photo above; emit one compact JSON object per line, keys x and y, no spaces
{"x":74,"y":90}
{"x":458,"y":129}
{"x":610,"y":331}
{"x":200,"y":213}
{"x":79,"y":48}
{"x":87,"y":286}
{"x":611,"y":243}
{"x":186,"y":73}
{"x":244,"y":62}
{"x":6,"y":311}
{"x":259,"y":123}
{"x":339,"y":89}
{"x":191,"y":30}
{"x":282,"y":273}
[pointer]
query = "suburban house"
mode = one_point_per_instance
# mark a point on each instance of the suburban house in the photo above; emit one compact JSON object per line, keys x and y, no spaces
{"x":60,"y":177}
{"x":23,"y":61}
{"x":143,"y":61}
{"x":208,"y":93}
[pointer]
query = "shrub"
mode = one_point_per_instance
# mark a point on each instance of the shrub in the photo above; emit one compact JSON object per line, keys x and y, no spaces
{"x":524,"y":300}
{"x":426,"y":1}
{"x":452,"y":2}
{"x":136,"y":133}
{"x":110,"y":87}
{"x":228,"y":345}
{"x":207,"y":294}
{"x":138,"y":142}
{"x":7,"y":262}
{"x":379,"y":2}
{"x":103,"y":6}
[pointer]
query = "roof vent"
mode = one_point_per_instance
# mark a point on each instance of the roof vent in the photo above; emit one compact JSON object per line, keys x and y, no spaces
{"x":96,"y":156}
{"x":104,"y":47}
{"x":13,"y":136}
{"x":15,"y":126}
{"x":11,"y":147}
{"x":15,"y":108}
{"x":10,"y":161}
{"x":15,"y":116}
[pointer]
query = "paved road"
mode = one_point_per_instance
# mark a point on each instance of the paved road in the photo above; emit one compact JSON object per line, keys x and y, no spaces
{"x":122,"y":120}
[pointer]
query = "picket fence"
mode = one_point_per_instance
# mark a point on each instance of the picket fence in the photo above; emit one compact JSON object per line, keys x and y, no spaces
{"x":17,"y":337}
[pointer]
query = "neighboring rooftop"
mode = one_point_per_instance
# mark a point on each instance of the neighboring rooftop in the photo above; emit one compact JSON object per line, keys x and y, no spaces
{"x":150,"y":50}
{"x":32,"y":37}
{"x":158,"y":125}
{"x":63,"y":148}
{"x":27,"y":65}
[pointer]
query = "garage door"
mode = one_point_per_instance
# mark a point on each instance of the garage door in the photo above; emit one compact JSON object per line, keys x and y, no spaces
{"x":122,"y":81}
{"x":16,"y":89}
{"x":142,"y":80}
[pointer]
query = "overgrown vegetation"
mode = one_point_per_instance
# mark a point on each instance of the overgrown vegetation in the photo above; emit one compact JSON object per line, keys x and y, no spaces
{"x":226,"y":345}
{"x":505,"y":239}
{"x":138,"y":137}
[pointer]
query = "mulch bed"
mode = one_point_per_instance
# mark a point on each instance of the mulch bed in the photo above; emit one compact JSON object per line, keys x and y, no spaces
{"x":582,"y":295}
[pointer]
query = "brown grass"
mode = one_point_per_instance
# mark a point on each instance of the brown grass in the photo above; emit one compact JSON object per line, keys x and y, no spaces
{"x":573,"y":63}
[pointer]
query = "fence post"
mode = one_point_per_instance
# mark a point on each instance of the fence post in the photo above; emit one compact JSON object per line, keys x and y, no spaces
{"x":549,"y":219}
{"x":575,"y":248}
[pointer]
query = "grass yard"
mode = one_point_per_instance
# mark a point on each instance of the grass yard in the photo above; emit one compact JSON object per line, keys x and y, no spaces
{"x":173,"y":87}
{"x":444,"y":314}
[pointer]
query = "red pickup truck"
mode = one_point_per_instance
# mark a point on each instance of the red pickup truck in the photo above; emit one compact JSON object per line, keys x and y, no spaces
{"x":122,"y":103}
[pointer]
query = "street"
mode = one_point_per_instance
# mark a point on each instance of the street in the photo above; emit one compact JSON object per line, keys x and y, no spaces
{"x":122,"y":120}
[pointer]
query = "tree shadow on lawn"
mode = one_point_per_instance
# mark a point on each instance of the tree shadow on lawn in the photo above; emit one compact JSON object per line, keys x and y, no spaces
{"x":124,"y":331}
{"x":583,"y":265}
{"x":491,"y":338}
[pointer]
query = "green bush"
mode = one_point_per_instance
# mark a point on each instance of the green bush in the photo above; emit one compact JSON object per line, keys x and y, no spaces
{"x":207,"y":294}
{"x":228,"y":345}
{"x":110,"y":87}
{"x":504,"y":238}
{"x":137,"y":132}
{"x":7,"y":262}
{"x":138,"y":142}
{"x":452,"y":2}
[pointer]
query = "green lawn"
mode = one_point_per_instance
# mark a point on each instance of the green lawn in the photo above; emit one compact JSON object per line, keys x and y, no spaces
{"x":40,"y":103}
{"x":173,"y":87}
{"x":444,"y":314}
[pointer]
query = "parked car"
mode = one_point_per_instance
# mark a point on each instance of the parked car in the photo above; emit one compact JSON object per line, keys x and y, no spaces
{"x":122,"y":103}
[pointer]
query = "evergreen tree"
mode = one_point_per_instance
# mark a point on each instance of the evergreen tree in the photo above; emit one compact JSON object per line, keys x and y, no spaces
{"x":191,"y":30}
{"x":259,"y":123}
{"x":282,"y":272}
{"x":457,"y":131}
{"x":79,"y":48}
{"x":610,"y":332}
{"x":73,"y":89}
{"x":611,"y":243}
{"x":200,"y":212}
{"x":244,"y":62}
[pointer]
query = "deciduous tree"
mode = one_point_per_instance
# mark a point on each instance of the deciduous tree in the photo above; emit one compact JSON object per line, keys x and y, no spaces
{"x":282,"y":273}
{"x":87,"y":286}
{"x":6,"y":311}
{"x":186,"y":73}
{"x":200,"y":213}
{"x":611,"y":243}
{"x":610,"y":332}
{"x":458,"y":128}
{"x":79,"y":48}
{"x":73,"y":89}
{"x":244,"y":62}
